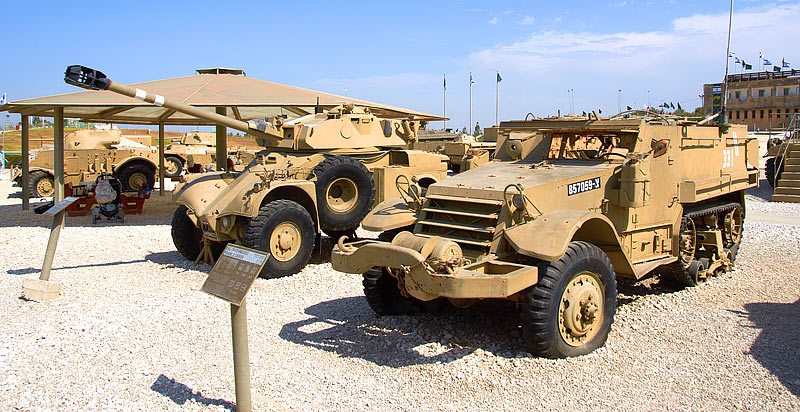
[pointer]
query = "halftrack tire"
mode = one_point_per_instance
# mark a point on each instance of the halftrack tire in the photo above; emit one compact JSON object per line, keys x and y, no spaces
{"x":345,"y":192}
{"x":132,"y":177}
{"x":570,"y":311}
{"x":40,"y":184}
{"x":769,"y":171}
{"x":384,"y":297}
{"x":186,"y":236}
{"x":173,"y":166}
{"x":285,"y":230}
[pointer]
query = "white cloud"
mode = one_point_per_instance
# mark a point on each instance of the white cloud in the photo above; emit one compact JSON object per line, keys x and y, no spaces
{"x":527,"y":20}
{"x":621,"y":3}
{"x":672,"y":64}
{"x":494,"y":20}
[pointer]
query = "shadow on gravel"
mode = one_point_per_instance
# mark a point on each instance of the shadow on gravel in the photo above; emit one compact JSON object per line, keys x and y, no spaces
{"x":763,"y":191}
{"x":28,"y":271}
{"x":174,"y":259}
{"x":14,"y":216}
{"x":348,"y":327}
{"x":629,"y":290}
{"x":777,"y":347}
{"x":180,"y":393}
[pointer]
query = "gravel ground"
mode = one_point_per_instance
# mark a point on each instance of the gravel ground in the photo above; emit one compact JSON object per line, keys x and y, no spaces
{"x":132,"y":331}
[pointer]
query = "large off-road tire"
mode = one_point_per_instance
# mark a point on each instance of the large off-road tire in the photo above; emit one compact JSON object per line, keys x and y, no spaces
{"x":285,"y":230}
{"x":185,"y":235}
{"x":40,"y":184}
{"x":769,"y":171}
{"x":133,"y":176}
{"x":173,"y":166}
{"x":345,"y":192}
{"x":384,"y":297}
{"x":570,"y":310}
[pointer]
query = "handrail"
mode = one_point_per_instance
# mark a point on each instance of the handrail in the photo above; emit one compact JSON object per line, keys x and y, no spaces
{"x":793,"y":137}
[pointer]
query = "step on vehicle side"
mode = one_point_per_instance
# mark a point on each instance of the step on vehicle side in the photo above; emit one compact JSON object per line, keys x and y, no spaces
{"x":89,"y":154}
{"x":321,"y":172}
{"x":567,"y":207}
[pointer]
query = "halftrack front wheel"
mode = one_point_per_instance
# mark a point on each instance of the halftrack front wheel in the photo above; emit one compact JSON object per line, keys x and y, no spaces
{"x":135,"y":175}
{"x":40,"y":184}
{"x":185,"y":235}
{"x":285,"y":230}
{"x":570,"y":310}
{"x":384,"y":297}
{"x":345,"y":192}
{"x":173,"y":166}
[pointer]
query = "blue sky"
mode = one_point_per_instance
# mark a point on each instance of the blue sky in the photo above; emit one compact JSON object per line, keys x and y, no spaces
{"x":397,"y":52}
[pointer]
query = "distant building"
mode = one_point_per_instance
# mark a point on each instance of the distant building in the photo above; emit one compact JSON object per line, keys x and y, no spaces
{"x":762,"y":101}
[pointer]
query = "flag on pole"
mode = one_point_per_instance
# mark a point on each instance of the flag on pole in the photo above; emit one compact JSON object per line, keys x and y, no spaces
{"x":748,"y":66}
{"x":3,"y":99}
{"x":679,"y":106}
{"x":767,"y":62}
{"x":736,"y":60}
{"x":444,"y":82}
{"x":731,"y":54}
{"x":784,"y":63}
{"x":743,"y":63}
{"x":470,"y":78}
{"x":760,"y":55}
{"x":671,"y":105}
{"x":776,"y":68}
{"x":499,"y":79}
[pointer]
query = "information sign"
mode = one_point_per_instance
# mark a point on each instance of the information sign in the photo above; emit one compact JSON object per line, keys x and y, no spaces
{"x":233,"y":274}
{"x":58,"y":207}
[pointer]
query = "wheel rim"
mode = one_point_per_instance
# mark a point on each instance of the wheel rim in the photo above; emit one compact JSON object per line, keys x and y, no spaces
{"x":342,"y":195}
{"x":733,"y":226}
{"x":688,"y":242}
{"x":285,"y":241}
{"x":581,"y":310}
{"x":44,"y":187}
{"x":171,"y":166}
{"x":137,"y":180}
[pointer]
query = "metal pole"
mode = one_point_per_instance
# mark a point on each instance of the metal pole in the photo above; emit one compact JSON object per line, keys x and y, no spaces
{"x":222,"y":142}
{"x":497,"y":102}
{"x":241,"y":357}
{"x":444,"y":114}
{"x":26,"y":193}
{"x":470,"y":104}
{"x":727,"y":60}
{"x":161,"y":158}
{"x":58,"y":185}
{"x":619,"y":101}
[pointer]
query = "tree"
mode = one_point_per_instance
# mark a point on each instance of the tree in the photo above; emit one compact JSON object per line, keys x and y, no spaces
{"x":477,"y":131}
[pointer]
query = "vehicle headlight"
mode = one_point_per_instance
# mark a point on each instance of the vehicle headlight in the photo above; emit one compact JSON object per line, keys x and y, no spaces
{"x":518,"y":201}
{"x":226,"y":222}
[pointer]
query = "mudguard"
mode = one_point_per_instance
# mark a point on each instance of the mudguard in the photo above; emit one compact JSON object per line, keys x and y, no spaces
{"x":548,"y":236}
{"x":390,"y":214}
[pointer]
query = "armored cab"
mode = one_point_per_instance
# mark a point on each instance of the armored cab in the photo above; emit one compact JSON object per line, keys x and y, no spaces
{"x":567,"y":206}
{"x":90,"y":153}
{"x":321,"y":172}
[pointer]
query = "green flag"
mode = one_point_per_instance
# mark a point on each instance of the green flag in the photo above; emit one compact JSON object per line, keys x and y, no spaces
{"x":679,"y":106}
{"x":776,"y":68}
{"x":671,"y":105}
{"x":748,"y":67}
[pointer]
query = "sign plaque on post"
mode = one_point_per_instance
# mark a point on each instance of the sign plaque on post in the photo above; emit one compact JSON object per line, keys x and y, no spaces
{"x":230,"y":280}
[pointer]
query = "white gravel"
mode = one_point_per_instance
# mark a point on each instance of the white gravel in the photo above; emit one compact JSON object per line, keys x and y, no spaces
{"x":133,"y":332}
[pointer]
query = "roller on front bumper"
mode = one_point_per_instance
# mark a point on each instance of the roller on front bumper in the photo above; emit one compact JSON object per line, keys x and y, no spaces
{"x":429,"y":268}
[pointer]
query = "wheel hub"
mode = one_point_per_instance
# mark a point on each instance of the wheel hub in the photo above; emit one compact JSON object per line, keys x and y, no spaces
{"x":581,"y":309}
{"x":342,"y":195}
{"x":137,"y":180}
{"x":170,"y":166}
{"x":285,"y":241}
{"x":44,"y":187}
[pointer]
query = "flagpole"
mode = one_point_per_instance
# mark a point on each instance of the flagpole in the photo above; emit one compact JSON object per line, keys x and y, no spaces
{"x":444,"y":111}
{"x":725,"y":82}
{"x":470,"y":104}
{"x":497,"y":101}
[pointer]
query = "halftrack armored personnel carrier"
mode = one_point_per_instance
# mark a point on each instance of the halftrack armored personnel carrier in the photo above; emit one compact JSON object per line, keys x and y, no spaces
{"x":92,"y":153}
{"x":567,"y":206}
{"x":322,"y":172}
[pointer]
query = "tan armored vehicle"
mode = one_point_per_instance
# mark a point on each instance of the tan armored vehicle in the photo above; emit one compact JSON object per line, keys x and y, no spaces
{"x":200,"y":147}
{"x":463,"y":151}
{"x":569,"y":206}
{"x":321,"y":173}
{"x":90,"y":153}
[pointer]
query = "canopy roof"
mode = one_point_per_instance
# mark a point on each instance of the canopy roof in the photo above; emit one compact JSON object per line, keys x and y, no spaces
{"x":246,"y":97}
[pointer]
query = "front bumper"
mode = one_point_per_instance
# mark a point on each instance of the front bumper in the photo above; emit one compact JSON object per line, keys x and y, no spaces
{"x":484,"y":279}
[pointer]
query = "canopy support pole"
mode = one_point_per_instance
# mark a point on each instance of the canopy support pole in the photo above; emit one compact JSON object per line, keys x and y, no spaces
{"x":24,"y":182}
{"x":161,"y":158}
{"x":58,"y":195}
{"x":222,"y":142}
